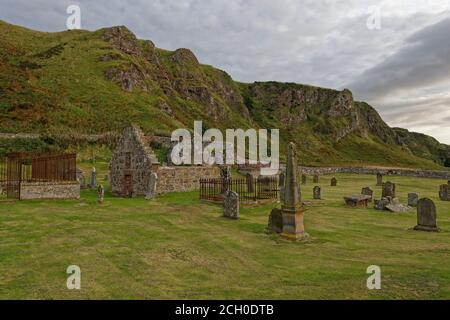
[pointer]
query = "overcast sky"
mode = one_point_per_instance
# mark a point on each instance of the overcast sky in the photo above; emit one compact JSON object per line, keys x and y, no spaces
{"x":401,"y":68}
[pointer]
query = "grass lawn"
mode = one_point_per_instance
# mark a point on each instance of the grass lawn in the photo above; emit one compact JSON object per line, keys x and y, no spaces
{"x":177,"y":247}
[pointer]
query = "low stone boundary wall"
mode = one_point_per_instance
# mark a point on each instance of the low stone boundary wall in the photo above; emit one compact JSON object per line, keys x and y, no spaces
{"x":374,"y":171}
{"x":49,"y":190}
{"x":183,"y":179}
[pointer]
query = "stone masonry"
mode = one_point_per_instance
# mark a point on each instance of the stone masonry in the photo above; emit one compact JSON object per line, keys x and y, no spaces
{"x":183,"y":179}
{"x":49,"y":190}
{"x":131,"y":164}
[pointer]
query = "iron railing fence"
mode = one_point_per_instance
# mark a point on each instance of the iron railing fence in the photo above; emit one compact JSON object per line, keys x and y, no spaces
{"x":250,"y":190}
{"x":16,"y":168}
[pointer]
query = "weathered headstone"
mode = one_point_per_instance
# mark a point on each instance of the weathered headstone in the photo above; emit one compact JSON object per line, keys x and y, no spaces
{"x":100,"y":194}
{"x":231,"y":205}
{"x":395,"y":206}
{"x":152,"y":183}
{"x":80,"y":178}
{"x":388,"y":190}
{"x":357,"y":201}
{"x":381,"y":204}
{"x":333,"y":182}
{"x":444,"y":192}
{"x":93,"y":182}
{"x":291,"y":213}
{"x":281,"y":180}
{"x":276,"y":221}
{"x":413,"y":199}
{"x":304,"y":178}
{"x":367,"y":191}
{"x":250,"y":183}
{"x":317,"y":193}
{"x":379,"y":179}
{"x":225,"y":175}
{"x":316,"y":178}
{"x":426,"y":216}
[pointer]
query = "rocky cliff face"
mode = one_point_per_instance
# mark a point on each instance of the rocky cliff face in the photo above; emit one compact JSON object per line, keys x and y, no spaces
{"x":93,"y":82}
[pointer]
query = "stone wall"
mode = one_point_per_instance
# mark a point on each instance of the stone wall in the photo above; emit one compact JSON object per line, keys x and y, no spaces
{"x":183,"y":179}
{"x":374,"y":171}
{"x":49,"y":190}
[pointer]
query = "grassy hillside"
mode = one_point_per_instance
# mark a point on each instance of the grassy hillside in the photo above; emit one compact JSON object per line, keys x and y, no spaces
{"x":91,"y":82}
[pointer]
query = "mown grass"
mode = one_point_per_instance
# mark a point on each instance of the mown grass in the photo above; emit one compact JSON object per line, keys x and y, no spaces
{"x":177,"y":247}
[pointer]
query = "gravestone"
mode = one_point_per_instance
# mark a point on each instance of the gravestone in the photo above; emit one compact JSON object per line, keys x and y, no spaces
{"x":413,"y":199}
{"x":291,"y":211}
{"x":93,"y":182}
{"x":357,"y":201}
{"x":379,"y":179}
{"x":426,"y":216}
{"x":304,"y":178}
{"x":367,"y":191}
{"x":100,"y":194}
{"x":381,"y":204}
{"x":80,"y":178}
{"x":388,"y":190}
{"x":395,"y":206}
{"x":444,"y":192}
{"x":250,"y":183}
{"x":225,"y":176}
{"x":333,"y":182}
{"x":231,"y":205}
{"x":281,"y":180}
{"x":316,"y":178}
{"x":152,"y":183}
{"x":317,"y":193}
{"x":275,"y":221}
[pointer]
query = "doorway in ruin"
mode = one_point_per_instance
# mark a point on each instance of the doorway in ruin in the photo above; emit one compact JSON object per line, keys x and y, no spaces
{"x":127,"y":189}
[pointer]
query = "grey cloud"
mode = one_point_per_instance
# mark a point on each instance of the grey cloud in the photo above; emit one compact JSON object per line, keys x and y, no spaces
{"x":424,"y":60}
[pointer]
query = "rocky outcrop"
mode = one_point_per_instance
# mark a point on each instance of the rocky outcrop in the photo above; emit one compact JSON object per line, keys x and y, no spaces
{"x":184,"y":55}
{"x":371,"y":122}
{"x":342,"y":105}
{"x":128,"y":77}
{"x":121,"y":38}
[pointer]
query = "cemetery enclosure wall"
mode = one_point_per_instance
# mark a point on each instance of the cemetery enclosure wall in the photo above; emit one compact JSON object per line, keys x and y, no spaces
{"x":383,"y":171}
{"x":183,"y":179}
{"x":49,"y":190}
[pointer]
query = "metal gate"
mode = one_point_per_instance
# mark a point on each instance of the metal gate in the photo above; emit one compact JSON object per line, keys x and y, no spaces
{"x":14,"y":175}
